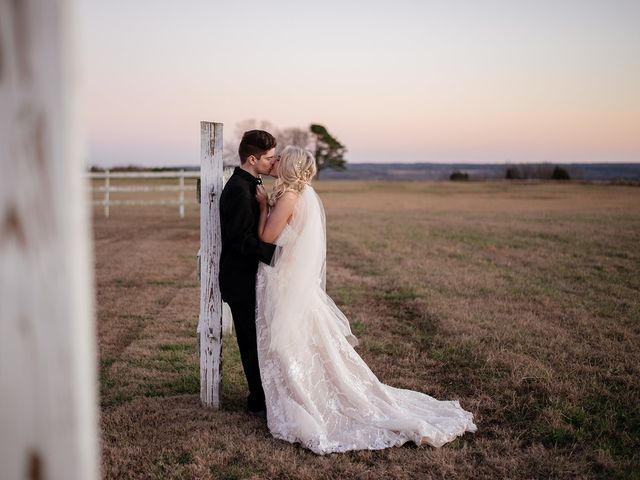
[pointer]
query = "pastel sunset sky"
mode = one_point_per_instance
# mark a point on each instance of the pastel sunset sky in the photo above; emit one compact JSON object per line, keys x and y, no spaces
{"x":481,"y":81}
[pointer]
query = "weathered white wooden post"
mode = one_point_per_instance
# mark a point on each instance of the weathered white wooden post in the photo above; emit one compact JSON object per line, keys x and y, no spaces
{"x":48,"y":391}
{"x":210,"y":322}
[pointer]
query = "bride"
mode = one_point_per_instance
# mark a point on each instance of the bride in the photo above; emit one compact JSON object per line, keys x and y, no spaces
{"x":318,"y":390}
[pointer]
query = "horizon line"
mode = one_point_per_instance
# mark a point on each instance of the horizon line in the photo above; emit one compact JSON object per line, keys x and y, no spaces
{"x":194,"y":165}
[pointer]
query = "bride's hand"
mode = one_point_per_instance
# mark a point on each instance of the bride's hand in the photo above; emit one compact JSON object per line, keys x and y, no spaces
{"x":261,"y":196}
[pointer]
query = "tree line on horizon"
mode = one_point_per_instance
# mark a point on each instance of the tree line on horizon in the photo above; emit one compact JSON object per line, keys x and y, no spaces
{"x":535,"y":171}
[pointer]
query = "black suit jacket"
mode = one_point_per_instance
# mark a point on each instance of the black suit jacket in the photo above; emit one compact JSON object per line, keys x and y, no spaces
{"x":242,"y":249}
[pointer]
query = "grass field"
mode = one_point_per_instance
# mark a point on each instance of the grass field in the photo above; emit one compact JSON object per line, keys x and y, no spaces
{"x":520,"y":300}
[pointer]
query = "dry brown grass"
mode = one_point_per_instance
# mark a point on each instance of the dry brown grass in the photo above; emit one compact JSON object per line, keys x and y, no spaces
{"x":521,"y":300}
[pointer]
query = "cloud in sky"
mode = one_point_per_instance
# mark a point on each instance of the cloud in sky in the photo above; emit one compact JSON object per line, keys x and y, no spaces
{"x":435,"y":81}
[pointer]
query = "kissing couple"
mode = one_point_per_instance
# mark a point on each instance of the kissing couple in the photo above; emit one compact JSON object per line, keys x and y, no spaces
{"x":295,"y":344}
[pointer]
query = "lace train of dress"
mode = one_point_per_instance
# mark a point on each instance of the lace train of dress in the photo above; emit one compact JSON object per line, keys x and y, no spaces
{"x":318,"y":390}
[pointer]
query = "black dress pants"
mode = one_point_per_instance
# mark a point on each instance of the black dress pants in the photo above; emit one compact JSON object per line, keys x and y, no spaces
{"x":244,"y":321}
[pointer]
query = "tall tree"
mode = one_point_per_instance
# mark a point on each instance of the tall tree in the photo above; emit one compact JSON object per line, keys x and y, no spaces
{"x":329,"y":152}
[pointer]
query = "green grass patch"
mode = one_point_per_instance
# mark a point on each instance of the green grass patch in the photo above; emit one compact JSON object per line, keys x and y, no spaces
{"x":237,"y":467}
{"x":126,"y":283}
{"x":178,"y":347}
{"x":385,"y":347}
{"x":348,"y":294}
{"x":166,"y":281}
{"x":182,"y":457}
{"x":185,"y":384}
{"x":558,"y":437}
{"x":398,"y":295}
{"x":459,"y":356}
{"x":130,"y":316}
{"x":358,"y":327}
{"x":459,"y":256}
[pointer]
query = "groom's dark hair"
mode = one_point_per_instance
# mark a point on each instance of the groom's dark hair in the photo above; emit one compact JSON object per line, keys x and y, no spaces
{"x":256,"y":143}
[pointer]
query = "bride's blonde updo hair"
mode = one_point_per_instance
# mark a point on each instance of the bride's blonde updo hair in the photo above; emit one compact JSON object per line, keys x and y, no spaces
{"x":296,"y":169}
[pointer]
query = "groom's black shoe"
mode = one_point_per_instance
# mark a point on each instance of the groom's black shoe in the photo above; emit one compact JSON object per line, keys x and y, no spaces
{"x":258,"y":413}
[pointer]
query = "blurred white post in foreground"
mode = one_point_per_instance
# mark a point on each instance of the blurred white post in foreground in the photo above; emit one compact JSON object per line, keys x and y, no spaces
{"x":48,"y":411}
{"x":210,"y":322}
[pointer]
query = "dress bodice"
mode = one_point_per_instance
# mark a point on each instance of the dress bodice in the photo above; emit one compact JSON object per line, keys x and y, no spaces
{"x":286,"y":235}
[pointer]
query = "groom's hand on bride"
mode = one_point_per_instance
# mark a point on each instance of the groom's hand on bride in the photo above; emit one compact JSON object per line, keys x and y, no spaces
{"x":261,"y":196}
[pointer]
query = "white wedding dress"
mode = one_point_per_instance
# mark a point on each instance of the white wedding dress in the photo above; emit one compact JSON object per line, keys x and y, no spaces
{"x":318,"y":391}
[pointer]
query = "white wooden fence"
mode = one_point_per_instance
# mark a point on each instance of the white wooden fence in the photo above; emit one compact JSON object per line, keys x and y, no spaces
{"x":108,"y":188}
{"x":215,"y":316}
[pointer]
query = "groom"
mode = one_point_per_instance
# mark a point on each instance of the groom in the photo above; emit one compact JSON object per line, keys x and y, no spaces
{"x":242,"y":250}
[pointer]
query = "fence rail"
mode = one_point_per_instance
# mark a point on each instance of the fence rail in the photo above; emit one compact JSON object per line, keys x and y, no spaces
{"x":169,"y":174}
{"x":107,"y":188}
